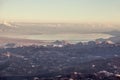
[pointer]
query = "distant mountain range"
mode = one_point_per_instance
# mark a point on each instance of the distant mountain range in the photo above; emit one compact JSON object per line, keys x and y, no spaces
{"x":114,"y":33}
{"x":22,"y":42}
{"x":115,"y":39}
{"x":59,"y":28}
{"x":23,"y":30}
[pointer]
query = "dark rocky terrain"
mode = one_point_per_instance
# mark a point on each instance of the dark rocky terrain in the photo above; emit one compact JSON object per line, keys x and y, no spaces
{"x":51,"y":61}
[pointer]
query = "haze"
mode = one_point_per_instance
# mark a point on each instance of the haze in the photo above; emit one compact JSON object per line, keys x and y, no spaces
{"x":59,"y":19}
{"x":70,"y":11}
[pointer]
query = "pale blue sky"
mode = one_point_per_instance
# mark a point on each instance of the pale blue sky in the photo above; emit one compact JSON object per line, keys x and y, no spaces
{"x":60,"y":10}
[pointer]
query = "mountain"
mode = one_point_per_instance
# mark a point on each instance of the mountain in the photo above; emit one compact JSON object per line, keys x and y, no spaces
{"x":110,"y":64}
{"x":60,"y":28}
{"x":4,"y":28}
{"x":21,"y":42}
{"x":114,"y":33}
{"x":8,"y":24}
{"x":7,"y":28}
{"x":4,"y":65}
{"x":115,"y":39}
{"x":40,"y":60}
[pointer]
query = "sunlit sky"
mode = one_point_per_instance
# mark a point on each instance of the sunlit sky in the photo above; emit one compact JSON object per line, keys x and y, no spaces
{"x":70,"y":11}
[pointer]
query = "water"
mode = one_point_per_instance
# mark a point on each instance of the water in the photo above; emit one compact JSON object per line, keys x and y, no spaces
{"x":69,"y":37}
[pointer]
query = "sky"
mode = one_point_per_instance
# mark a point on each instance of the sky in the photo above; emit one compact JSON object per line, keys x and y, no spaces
{"x":60,"y":11}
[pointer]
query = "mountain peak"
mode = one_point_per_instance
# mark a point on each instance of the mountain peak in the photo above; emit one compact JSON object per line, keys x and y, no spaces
{"x":8,"y":24}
